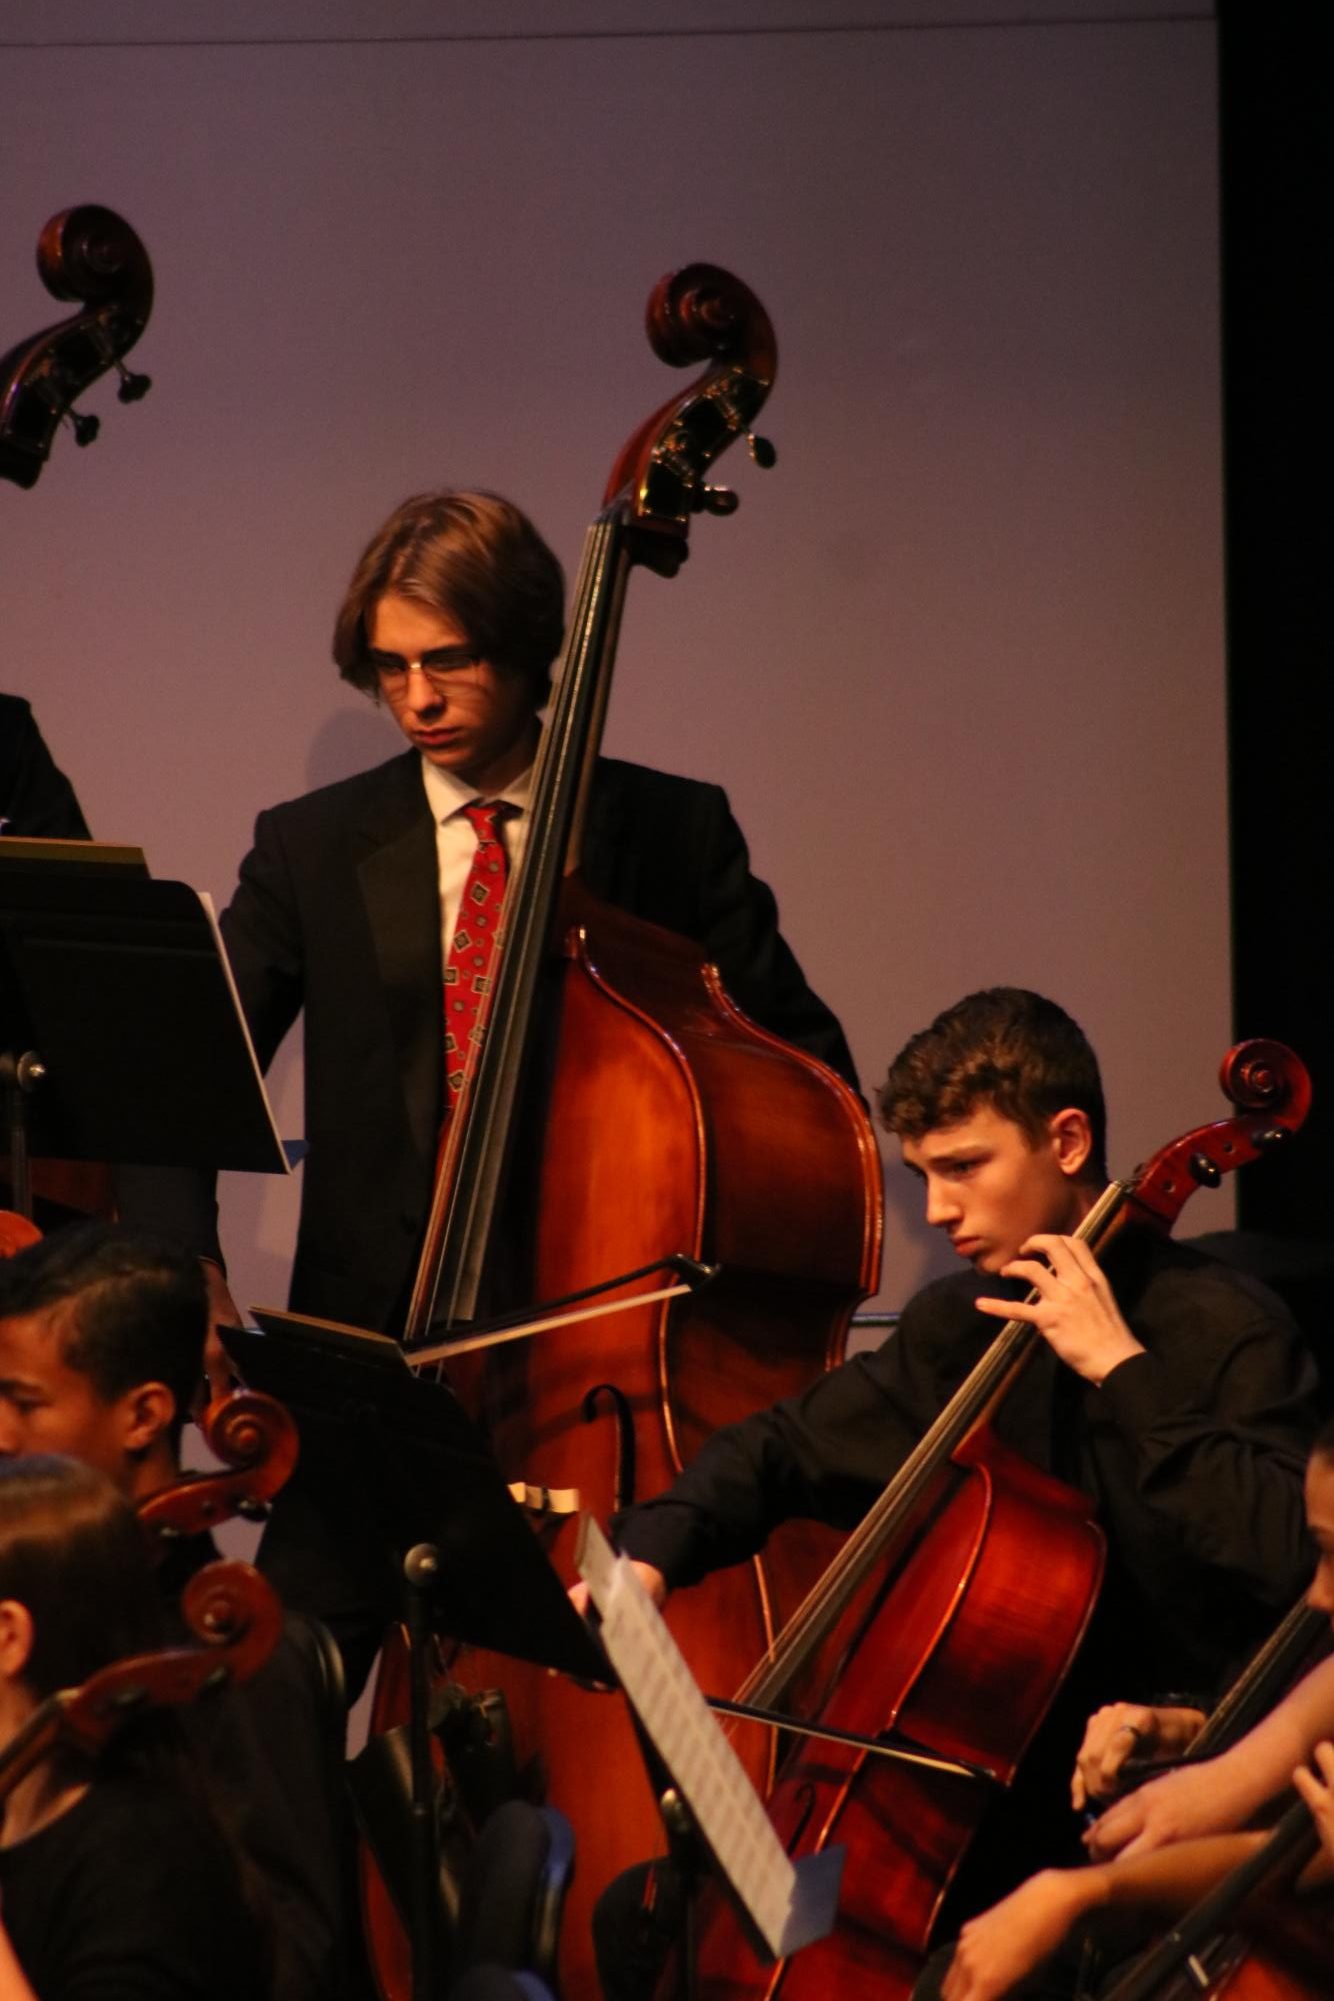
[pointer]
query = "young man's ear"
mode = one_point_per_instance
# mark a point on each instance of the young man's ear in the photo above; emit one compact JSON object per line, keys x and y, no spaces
{"x":15,"y":1638}
{"x":148,"y":1412}
{"x":1071,"y":1134}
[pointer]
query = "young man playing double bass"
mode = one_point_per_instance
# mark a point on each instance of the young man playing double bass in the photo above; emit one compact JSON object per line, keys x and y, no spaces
{"x":1173,"y":1392}
{"x":349,"y":902}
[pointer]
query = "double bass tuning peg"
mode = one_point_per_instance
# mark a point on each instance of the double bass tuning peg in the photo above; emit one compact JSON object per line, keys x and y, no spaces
{"x":85,"y":428}
{"x":132,"y":387}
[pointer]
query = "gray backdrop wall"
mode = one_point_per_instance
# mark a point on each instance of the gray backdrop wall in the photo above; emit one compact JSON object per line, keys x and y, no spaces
{"x":959,"y":657}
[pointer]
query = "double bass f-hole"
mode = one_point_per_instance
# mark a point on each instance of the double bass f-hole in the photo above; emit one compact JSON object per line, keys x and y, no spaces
{"x":623,"y":1486}
{"x":90,"y":254}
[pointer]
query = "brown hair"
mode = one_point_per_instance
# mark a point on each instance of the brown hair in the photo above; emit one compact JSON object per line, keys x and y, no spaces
{"x":1004,"y":1047}
{"x":72,"y":1551}
{"x":474,"y":557}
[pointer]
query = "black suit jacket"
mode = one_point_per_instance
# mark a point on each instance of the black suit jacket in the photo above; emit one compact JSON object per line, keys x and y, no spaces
{"x":337,"y":913}
{"x":36,"y":798}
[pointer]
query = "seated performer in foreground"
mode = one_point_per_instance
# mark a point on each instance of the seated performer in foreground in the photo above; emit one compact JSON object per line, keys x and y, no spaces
{"x":1165,"y":1846}
{"x":101,"y":1354}
{"x":114,"y":1879}
{"x":1174,"y":1392}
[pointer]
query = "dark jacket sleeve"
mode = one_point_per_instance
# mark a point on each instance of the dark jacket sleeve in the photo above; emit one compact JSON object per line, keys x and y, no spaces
{"x":1218,"y":1417}
{"x":36,"y":798}
{"x":822,"y":1456}
{"x":739,"y":930}
{"x":262,"y":936}
{"x":668,"y":849}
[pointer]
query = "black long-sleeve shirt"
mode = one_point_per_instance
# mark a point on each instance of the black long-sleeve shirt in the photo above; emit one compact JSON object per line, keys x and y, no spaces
{"x":1193,"y":1453}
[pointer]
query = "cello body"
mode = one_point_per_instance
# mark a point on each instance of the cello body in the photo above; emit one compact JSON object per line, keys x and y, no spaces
{"x":960,"y":1656}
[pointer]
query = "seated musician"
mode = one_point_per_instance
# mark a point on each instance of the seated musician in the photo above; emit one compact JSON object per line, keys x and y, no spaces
{"x":347,"y":906}
{"x":1163,"y":1847}
{"x":114,"y":1877}
{"x":101,"y":1352}
{"x":1176,"y":1393}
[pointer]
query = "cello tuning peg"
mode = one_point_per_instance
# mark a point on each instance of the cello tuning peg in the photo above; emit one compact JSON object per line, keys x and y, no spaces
{"x":718,"y":500}
{"x":1204,"y":1171}
{"x":132,"y":387}
{"x":762,"y":451}
{"x":85,"y":429}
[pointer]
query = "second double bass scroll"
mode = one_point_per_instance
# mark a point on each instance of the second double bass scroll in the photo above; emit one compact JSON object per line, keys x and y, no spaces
{"x":622,"y":1111}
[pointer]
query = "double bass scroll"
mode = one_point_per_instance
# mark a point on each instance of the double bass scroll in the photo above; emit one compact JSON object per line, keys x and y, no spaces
{"x":90,"y":254}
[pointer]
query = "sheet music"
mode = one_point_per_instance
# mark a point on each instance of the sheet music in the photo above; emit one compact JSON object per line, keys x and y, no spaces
{"x":289,"y":1150}
{"x":706,"y":1769}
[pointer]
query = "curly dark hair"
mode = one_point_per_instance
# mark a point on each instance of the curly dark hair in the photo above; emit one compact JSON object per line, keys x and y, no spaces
{"x":1004,"y":1047}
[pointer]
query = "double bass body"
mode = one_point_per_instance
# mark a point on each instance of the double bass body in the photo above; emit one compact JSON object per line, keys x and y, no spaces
{"x":669,"y":1123}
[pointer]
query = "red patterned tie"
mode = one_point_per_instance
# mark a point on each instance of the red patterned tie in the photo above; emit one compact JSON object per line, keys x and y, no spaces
{"x":472,"y":949}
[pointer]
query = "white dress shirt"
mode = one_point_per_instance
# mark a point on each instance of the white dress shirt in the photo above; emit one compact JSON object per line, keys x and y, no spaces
{"x":455,"y":841}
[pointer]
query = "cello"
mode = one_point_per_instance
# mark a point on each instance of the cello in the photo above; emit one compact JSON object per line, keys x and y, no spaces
{"x":623,"y":1112}
{"x":966,"y":1590}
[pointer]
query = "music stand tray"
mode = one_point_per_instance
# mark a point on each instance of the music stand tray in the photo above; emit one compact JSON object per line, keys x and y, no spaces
{"x":429,"y":1474}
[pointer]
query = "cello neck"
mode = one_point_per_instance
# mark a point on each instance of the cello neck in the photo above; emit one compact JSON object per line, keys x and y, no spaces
{"x":1264,"y":1678}
{"x":899,"y":1508}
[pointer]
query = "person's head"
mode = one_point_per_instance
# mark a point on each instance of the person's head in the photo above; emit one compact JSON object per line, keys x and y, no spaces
{"x":998,"y":1107}
{"x":77,"y":1588}
{"x":453,"y":618}
{"x":101,"y":1350}
{"x":1320,"y":1518}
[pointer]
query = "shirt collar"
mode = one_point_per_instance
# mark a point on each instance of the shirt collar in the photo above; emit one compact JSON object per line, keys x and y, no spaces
{"x":448,"y":794}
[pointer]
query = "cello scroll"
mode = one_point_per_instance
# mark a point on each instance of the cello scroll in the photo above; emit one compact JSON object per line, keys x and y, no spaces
{"x":90,"y":254}
{"x":255,"y":1437}
{"x":1271,"y":1087}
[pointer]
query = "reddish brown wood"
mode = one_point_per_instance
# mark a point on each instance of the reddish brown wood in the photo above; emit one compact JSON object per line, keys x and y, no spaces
{"x":670,"y":1123}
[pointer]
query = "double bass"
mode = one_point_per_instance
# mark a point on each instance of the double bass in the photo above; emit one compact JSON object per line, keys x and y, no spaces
{"x":624,"y":1112}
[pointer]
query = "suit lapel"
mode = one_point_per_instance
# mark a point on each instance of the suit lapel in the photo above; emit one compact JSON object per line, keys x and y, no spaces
{"x":398,"y":882}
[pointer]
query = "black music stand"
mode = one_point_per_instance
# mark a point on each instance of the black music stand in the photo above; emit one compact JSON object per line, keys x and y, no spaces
{"x":121,"y":1034}
{"x":471,"y":1563}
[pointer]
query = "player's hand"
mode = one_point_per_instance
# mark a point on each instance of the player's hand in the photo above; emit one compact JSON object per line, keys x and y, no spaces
{"x":652,"y":1580}
{"x":1121,"y":1732}
{"x":1005,"y":1943}
{"x":1074,"y":1311}
{"x":1317,"y":1789}
{"x":1179,"y":1806}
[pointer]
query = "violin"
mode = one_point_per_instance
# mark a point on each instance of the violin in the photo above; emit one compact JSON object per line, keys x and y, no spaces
{"x":236,"y":1618}
{"x":958,"y":1651}
{"x":90,"y":254}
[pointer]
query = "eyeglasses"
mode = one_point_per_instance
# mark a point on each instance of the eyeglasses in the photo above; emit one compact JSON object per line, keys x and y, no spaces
{"x":442,"y":666}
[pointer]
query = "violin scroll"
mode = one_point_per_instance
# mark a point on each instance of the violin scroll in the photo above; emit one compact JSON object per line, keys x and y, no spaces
{"x":1271,"y":1087}
{"x":700,"y":313}
{"x":90,"y":254}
